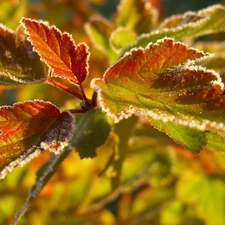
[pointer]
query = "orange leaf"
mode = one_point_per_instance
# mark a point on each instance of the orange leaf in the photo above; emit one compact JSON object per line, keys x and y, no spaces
{"x":58,"y":50}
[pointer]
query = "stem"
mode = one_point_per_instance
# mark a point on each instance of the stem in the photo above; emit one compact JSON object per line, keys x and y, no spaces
{"x":84,"y":98}
{"x":94,"y":99}
{"x":77,"y":110}
{"x":86,"y":104}
{"x":65,"y":88}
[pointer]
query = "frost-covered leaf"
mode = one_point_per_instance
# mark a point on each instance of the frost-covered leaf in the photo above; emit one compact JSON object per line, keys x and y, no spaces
{"x":26,"y":129}
{"x":191,"y":24}
{"x":58,"y":50}
{"x":99,"y":30}
{"x":162,"y":83}
{"x":19,"y":64}
{"x":139,"y":16}
{"x":92,"y":131}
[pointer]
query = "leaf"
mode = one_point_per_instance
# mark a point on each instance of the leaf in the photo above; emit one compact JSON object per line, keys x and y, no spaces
{"x":132,"y":13}
{"x":19,"y":64}
{"x":26,"y":129}
{"x":207,"y":21}
{"x":162,"y":83}
{"x":122,"y":37}
{"x":93,"y":130}
{"x":99,"y":30}
{"x":58,"y":50}
{"x":189,"y":138}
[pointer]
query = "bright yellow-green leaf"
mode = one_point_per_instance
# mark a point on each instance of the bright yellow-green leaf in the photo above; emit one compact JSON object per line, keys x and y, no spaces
{"x":122,"y":37}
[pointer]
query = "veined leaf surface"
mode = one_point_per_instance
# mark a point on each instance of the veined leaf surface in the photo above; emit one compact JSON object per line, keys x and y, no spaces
{"x":58,"y":50}
{"x":161,"y":82}
{"x":28,"y":128}
{"x":189,"y":138}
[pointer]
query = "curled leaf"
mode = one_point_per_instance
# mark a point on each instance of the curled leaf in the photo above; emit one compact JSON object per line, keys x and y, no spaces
{"x":58,"y":50}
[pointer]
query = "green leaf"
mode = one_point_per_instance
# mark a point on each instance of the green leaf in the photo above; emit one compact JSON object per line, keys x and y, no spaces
{"x":92,"y":131}
{"x":205,"y":194}
{"x":99,"y":30}
{"x":189,"y":138}
{"x":122,"y":37}
{"x":28,"y":128}
{"x":162,"y":83}
{"x":139,"y":16}
{"x":207,"y":21}
{"x":19,"y":64}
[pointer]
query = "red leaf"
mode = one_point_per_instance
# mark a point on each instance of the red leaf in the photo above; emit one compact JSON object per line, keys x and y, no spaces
{"x":58,"y":50}
{"x":28,"y":128}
